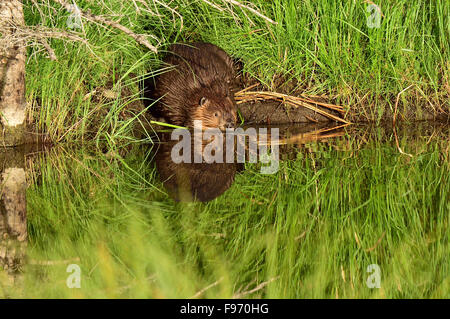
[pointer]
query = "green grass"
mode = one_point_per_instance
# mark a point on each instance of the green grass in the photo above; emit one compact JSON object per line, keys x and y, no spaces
{"x":326,"y":47}
{"x":311,"y":229}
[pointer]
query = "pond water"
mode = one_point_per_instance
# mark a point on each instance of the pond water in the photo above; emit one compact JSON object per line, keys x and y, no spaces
{"x":133,"y":222}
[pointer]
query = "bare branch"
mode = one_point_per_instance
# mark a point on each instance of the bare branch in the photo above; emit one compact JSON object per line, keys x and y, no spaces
{"x":199,"y":293}
{"x":256,"y":12}
{"x":49,"y":49}
{"x":91,"y":17}
{"x":24,"y":34}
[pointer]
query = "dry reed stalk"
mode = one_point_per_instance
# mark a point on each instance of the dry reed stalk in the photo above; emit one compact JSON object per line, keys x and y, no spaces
{"x":247,"y":96}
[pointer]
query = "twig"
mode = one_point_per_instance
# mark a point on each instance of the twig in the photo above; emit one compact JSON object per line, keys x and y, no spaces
{"x":199,"y":293}
{"x":247,"y":88}
{"x":89,"y":16}
{"x":259,"y":287}
{"x":296,"y":101}
{"x":256,"y":12}
{"x":49,"y":49}
{"x":173,"y":12}
{"x":28,"y":34}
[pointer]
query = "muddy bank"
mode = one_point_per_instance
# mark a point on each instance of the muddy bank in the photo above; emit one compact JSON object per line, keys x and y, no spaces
{"x":272,"y":112}
{"x":366,"y":109}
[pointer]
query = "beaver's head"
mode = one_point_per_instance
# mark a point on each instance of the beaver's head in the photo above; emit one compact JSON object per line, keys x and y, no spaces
{"x":215,"y":112}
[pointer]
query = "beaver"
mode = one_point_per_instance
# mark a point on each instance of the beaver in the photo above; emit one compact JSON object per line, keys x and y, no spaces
{"x":196,"y":86}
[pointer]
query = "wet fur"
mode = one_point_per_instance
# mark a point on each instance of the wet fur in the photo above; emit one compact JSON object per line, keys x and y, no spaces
{"x":196,"y":70}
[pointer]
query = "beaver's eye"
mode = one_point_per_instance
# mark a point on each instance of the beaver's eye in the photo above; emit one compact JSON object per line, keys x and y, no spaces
{"x":216,"y":114}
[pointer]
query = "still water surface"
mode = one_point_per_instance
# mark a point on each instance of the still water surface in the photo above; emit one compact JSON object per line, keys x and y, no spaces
{"x":82,"y":204}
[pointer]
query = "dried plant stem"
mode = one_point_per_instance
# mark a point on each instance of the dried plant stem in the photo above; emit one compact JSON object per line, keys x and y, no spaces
{"x":255,"y":12}
{"x":259,"y":287}
{"x":396,"y":103}
{"x":51,"y":52}
{"x":199,"y":293}
{"x":244,"y":96}
{"x":91,"y":17}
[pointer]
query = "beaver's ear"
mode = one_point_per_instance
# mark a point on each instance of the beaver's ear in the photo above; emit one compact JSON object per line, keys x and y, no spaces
{"x":202,"y":101}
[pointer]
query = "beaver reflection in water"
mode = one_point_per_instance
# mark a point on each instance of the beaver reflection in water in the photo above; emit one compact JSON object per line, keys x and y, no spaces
{"x":196,"y":87}
{"x":192,"y":181}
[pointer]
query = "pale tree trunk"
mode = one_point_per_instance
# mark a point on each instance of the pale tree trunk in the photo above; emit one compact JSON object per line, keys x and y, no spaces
{"x":13,"y":226}
{"x":12,"y":75}
{"x":13,"y":216}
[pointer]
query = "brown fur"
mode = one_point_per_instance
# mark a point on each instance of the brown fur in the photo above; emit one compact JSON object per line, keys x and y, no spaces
{"x":197,"y":87}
